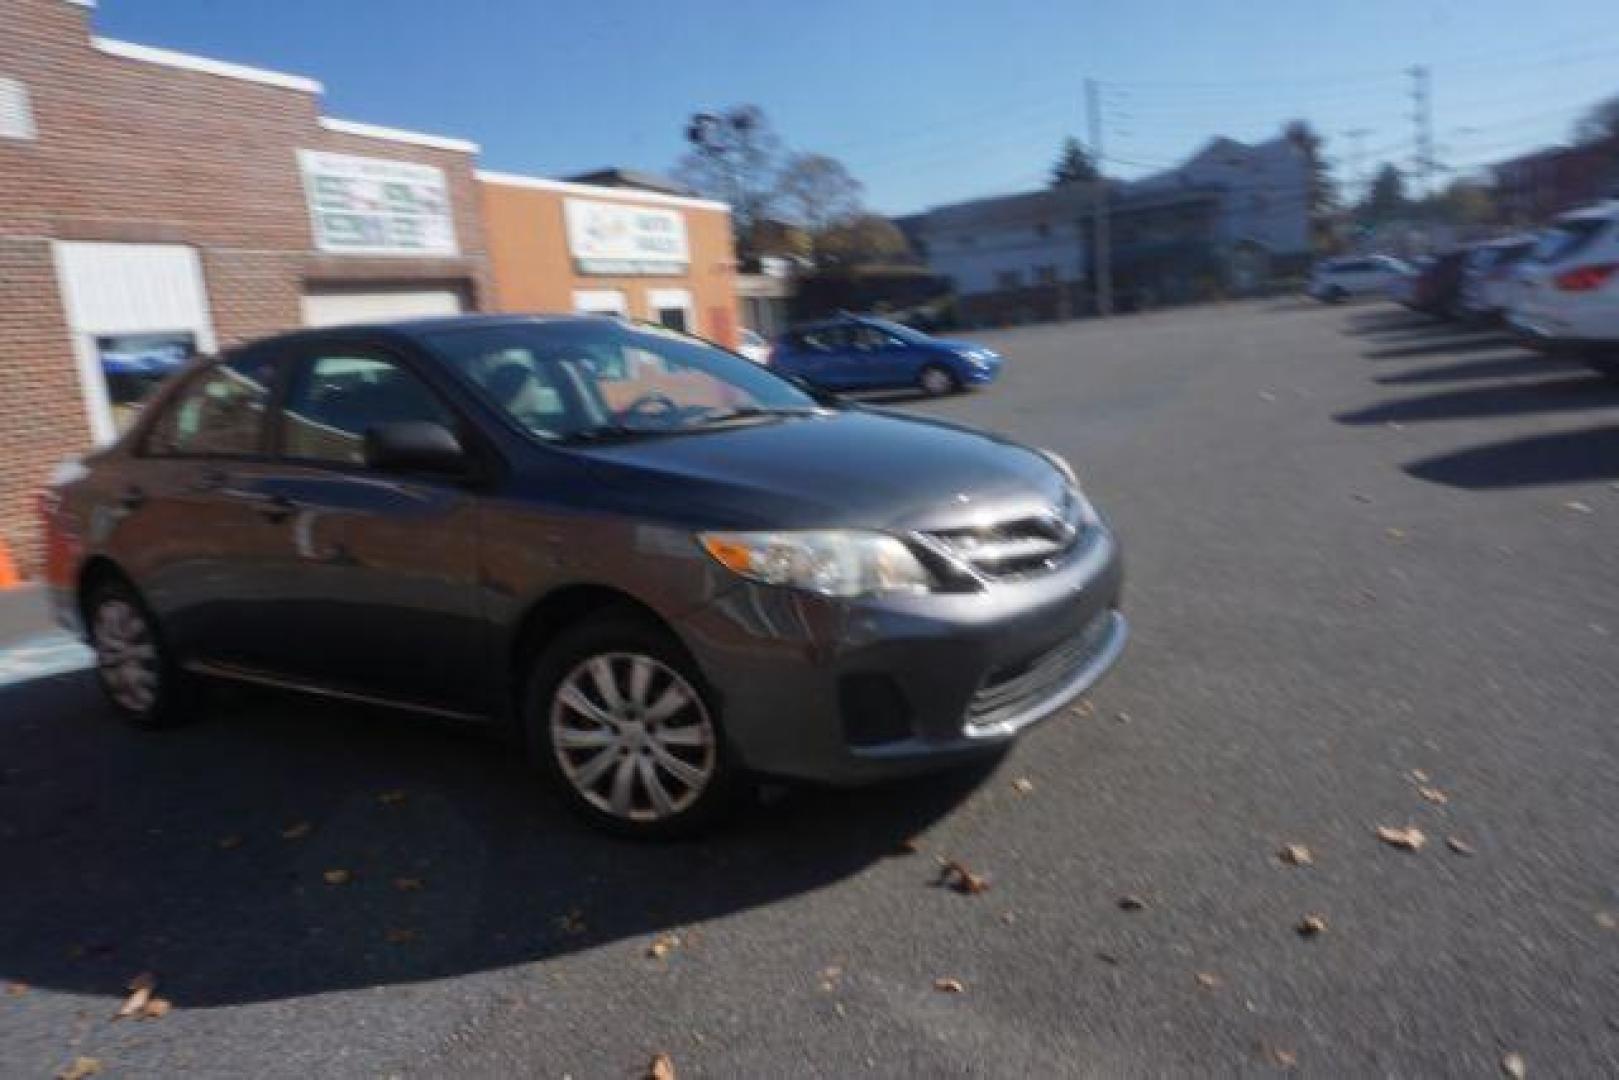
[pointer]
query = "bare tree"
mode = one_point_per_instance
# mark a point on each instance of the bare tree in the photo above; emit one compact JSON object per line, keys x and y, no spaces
{"x":1600,"y":123}
{"x":861,"y":240}
{"x":816,"y":192}
{"x":734,"y":157}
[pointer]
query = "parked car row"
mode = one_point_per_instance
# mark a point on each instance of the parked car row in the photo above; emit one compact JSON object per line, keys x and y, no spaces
{"x":1557,"y":290}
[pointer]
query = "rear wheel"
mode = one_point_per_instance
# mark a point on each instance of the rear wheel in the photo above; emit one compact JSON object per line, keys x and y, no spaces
{"x":618,"y":716}
{"x":136,"y":672}
{"x":935,"y":380}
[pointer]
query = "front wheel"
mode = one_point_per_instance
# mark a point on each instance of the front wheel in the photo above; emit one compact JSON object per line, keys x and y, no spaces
{"x":936,"y":381}
{"x":619,"y":718}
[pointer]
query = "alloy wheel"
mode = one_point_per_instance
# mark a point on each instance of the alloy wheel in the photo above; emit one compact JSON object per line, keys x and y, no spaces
{"x":633,"y":737}
{"x":126,"y":655}
{"x":937,"y":381}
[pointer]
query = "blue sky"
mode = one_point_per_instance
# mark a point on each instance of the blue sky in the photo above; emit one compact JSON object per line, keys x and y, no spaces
{"x":927,"y":101}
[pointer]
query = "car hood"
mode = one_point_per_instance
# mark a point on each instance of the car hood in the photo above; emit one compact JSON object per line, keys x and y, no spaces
{"x":846,"y":468}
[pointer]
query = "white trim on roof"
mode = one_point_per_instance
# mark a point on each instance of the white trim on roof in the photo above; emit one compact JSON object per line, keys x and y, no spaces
{"x":540,"y":183}
{"x":415,"y":138}
{"x":169,"y":58}
{"x":87,"y":4}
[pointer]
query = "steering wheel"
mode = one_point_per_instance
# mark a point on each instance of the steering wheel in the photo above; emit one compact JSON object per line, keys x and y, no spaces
{"x":651,"y":406}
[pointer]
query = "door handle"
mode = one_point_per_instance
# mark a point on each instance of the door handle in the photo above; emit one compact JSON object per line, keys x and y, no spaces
{"x":276,"y":509}
{"x":133,"y":498}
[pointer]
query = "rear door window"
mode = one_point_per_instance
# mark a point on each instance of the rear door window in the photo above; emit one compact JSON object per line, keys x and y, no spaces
{"x":218,"y":413}
{"x":1568,"y":238}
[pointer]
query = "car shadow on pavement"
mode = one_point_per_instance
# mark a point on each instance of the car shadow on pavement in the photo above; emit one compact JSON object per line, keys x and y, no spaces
{"x":280,"y":847}
{"x":1385,"y":321}
{"x":1566,"y":457}
{"x":1475,"y":342}
{"x":1503,"y":367}
{"x":1507,"y":399}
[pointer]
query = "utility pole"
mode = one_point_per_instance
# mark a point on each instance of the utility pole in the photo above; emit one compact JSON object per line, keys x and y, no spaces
{"x":1104,"y":254}
{"x":1357,"y":175}
{"x":1422,"y":118}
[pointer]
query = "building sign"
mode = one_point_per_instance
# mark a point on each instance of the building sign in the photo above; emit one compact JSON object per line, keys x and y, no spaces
{"x":369,"y":206}
{"x":619,"y":238}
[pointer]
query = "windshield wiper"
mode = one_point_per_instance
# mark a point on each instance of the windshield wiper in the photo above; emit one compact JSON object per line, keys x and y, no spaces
{"x":749,"y":412}
{"x":611,"y":432}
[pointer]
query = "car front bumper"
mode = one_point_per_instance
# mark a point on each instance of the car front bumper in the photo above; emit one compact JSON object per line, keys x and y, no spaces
{"x":852,"y":691}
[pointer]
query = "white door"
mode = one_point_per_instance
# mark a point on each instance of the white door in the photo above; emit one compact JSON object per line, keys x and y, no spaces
{"x":340,"y":307}
{"x":135,"y":312}
{"x":600,"y":302}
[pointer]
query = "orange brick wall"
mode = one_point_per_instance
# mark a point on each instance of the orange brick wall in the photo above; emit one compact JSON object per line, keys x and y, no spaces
{"x":533,"y":271}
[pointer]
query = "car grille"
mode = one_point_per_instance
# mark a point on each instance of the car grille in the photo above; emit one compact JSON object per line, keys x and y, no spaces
{"x":1012,"y":690}
{"x":1017,"y":547}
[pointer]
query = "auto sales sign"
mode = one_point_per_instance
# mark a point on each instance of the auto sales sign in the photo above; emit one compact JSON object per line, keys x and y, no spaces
{"x":619,"y":238}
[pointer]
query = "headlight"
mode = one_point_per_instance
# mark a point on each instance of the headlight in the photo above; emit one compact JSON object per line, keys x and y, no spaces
{"x":833,"y":562}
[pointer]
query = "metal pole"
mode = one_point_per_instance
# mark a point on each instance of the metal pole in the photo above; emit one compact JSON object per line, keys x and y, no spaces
{"x":1104,"y":254}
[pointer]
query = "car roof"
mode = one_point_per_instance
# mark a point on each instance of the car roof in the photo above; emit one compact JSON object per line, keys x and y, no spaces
{"x":1602,"y":211}
{"x":415,"y":329}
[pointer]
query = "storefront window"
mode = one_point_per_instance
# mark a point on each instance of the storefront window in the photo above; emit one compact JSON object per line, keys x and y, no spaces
{"x":134,"y":365}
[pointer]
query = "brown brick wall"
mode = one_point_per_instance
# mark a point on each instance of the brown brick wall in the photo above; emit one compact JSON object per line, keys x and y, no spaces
{"x":134,"y":151}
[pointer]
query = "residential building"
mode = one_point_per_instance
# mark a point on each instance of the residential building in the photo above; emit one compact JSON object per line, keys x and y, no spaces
{"x":561,"y":246}
{"x":1225,"y":220}
{"x":1534,"y":187}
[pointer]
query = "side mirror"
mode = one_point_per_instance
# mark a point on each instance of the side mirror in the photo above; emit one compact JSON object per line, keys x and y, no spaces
{"x":415,"y":446}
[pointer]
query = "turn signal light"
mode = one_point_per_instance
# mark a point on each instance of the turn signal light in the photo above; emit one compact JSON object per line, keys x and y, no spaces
{"x":1585,"y":278}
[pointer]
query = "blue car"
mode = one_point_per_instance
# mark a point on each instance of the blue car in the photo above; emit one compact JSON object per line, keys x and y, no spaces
{"x":853,"y":352}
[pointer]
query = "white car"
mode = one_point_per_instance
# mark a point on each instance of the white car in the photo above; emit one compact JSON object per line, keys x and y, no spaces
{"x":1567,"y":293}
{"x":1488,"y":280}
{"x":754,"y":347}
{"x":1338,"y":279}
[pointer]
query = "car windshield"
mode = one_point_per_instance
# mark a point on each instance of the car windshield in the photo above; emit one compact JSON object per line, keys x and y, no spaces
{"x":1566,"y":238}
{"x":899,"y":330}
{"x":600,"y":379}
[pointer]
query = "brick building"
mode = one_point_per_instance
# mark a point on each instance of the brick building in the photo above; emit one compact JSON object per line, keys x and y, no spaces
{"x":153,"y":204}
{"x":1535,"y":187}
{"x":558,"y":245}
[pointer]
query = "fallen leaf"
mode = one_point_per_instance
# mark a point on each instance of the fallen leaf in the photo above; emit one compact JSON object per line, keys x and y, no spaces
{"x":910,"y":846}
{"x":955,"y":876}
{"x":1513,"y":1065}
{"x":1083,"y":708}
{"x":1578,"y":507}
{"x":1419,"y":776}
{"x":156,"y":1009}
{"x":1132,"y":903}
{"x":391,"y":798}
{"x":949,"y":986}
{"x":1409,"y":838}
{"x":1023,"y":785}
{"x":1108,"y":958}
{"x":663,"y":945}
{"x":661,"y":1068}
{"x":1394,"y":534}
{"x":1361,"y":498}
{"x":1607,"y":920}
{"x":1395,"y":425}
{"x":1433,"y":795}
{"x":297,"y":831}
{"x":1458,"y":845}
{"x":1208,"y":980}
{"x":397,"y":935}
{"x":408,"y":884}
{"x":1282,"y":1057}
{"x":226,"y":843}
{"x":1121,"y":717}
{"x":338,"y":877}
{"x":16,"y":989}
{"x":1295,"y":855}
{"x":1311,"y":925}
{"x":140,"y":987}
{"x":1266,"y":395}
{"x":81,"y":1068}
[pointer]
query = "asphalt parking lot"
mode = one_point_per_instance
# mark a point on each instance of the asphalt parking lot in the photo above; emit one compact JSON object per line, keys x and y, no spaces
{"x":1374,"y":581}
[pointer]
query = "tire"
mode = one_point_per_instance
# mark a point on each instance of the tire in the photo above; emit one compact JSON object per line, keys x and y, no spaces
{"x":1335,"y":295}
{"x":647,"y":760}
{"x":136,"y":671}
{"x":936,"y":381}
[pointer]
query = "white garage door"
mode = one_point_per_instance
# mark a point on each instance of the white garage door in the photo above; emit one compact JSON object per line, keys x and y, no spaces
{"x":340,"y":307}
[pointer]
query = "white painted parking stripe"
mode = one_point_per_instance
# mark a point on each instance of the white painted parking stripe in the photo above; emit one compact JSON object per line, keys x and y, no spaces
{"x":55,"y":653}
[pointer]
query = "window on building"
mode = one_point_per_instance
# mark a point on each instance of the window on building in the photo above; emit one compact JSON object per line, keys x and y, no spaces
{"x":334,"y":400}
{"x":1008,"y":279}
{"x":16,"y":115}
{"x":219,"y":413}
